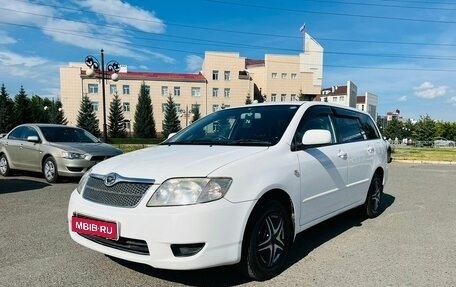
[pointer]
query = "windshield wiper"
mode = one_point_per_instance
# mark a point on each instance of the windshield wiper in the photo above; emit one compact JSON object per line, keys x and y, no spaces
{"x":250,"y":142}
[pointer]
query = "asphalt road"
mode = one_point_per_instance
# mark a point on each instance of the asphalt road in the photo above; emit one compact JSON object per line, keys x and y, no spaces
{"x":412,"y":243}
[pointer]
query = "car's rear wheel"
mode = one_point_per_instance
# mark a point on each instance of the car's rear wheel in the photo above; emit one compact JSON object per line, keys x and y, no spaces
{"x":374,"y":197}
{"x":266,"y":241}
{"x":4,"y":166}
{"x":50,"y":171}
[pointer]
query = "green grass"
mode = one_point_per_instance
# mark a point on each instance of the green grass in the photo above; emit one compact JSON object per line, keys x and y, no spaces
{"x":423,"y":153}
{"x":132,"y":144}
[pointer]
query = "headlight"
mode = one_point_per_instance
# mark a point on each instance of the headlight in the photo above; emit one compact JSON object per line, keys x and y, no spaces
{"x":72,"y":155}
{"x":185,"y":191}
{"x":82,"y":183}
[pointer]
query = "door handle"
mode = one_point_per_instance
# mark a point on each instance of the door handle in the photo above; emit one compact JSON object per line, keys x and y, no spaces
{"x":342,"y":155}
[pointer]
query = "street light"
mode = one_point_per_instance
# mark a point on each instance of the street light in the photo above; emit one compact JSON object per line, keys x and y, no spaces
{"x":186,"y":114}
{"x":112,"y":67}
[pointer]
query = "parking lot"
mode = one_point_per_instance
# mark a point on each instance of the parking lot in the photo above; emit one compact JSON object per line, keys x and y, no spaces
{"x":412,"y":243}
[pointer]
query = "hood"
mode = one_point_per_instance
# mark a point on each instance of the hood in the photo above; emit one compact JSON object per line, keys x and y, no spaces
{"x":94,"y":149}
{"x":162,"y":162}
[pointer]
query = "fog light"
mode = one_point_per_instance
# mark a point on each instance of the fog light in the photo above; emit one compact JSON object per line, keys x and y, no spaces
{"x":185,"y":250}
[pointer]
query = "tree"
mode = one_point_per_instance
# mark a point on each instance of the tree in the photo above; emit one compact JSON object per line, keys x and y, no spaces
{"x":6,"y":111}
{"x":393,"y":129}
{"x":38,"y":109}
{"x":171,"y":123}
{"x":196,"y":114}
{"x":87,"y":119}
{"x":144,"y":126}
{"x":59,"y":115}
{"x":116,"y":126}
{"x":425,"y":129}
{"x":248,"y":100}
{"x":22,"y":108}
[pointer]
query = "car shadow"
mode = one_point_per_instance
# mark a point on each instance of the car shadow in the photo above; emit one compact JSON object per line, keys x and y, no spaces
{"x":11,"y":185}
{"x":305,"y":243}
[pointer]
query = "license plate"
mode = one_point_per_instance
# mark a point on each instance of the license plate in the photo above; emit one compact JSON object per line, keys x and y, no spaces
{"x":95,"y":227}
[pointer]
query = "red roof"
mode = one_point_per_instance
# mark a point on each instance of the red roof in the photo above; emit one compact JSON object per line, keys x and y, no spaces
{"x":336,"y":90}
{"x":360,"y":99}
{"x":150,"y":76}
{"x":252,"y":62}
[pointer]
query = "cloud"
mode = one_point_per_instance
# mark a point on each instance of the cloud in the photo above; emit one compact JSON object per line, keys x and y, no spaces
{"x":115,"y":11}
{"x":194,"y":63}
{"x":453,"y":101}
{"x":5,"y":39}
{"x":428,"y":91}
{"x":402,"y":99}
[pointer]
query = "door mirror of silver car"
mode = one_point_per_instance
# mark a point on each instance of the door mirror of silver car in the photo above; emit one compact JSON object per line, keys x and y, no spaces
{"x":33,"y":139}
{"x":316,"y":137}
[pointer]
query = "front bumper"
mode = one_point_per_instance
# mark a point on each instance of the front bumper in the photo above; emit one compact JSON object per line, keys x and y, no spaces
{"x":219,"y":225}
{"x":73,"y":167}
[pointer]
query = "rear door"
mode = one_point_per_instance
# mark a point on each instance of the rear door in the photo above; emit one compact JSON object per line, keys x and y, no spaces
{"x":360,"y":141}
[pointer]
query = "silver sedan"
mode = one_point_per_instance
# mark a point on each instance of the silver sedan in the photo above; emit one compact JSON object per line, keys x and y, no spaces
{"x":55,"y":150}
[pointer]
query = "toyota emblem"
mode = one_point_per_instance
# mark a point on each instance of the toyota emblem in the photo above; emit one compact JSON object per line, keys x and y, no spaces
{"x":110,"y":179}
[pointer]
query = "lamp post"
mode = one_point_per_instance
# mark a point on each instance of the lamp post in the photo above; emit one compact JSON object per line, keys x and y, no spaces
{"x":186,"y":114}
{"x":112,"y":67}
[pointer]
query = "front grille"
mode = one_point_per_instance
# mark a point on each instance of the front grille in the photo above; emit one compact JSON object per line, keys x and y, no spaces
{"x":122,"y":194}
{"x":99,"y":157}
{"x":124,"y":244}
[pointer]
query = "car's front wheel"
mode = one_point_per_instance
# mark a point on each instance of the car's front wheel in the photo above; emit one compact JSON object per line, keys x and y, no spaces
{"x":4,"y":166}
{"x":50,"y":171}
{"x":266,"y":241}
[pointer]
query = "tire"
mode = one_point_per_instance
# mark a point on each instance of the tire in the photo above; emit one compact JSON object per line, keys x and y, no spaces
{"x":266,"y":241}
{"x":5,"y":169}
{"x":50,"y":171}
{"x":372,"y":206}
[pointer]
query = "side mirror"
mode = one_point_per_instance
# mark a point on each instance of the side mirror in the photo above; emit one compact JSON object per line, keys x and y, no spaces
{"x":170,"y":135}
{"x":33,"y":139}
{"x":316,"y":137}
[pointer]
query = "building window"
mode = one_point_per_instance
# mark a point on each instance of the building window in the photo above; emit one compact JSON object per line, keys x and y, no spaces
{"x":293,"y":76}
{"x":215,"y":75}
{"x":215,"y":92}
{"x":293,"y":97}
{"x":126,"y":107}
{"x":273,"y":97}
{"x":178,"y":108}
{"x":164,"y":91}
{"x":196,"y":91}
{"x":126,"y":89}
{"x":127,"y":125}
{"x":93,"y":88}
{"x":274,"y":75}
{"x":283,"y":97}
{"x":195,"y":107}
{"x":177,"y":91}
{"x":215,"y":108}
{"x":164,"y":105}
{"x":147,"y":88}
{"x":95,"y":106}
{"x":342,"y":98}
{"x":362,"y":107}
{"x":284,"y":75}
{"x":334,"y":99}
{"x":113,"y":89}
{"x":227,"y":92}
{"x":227,"y":75}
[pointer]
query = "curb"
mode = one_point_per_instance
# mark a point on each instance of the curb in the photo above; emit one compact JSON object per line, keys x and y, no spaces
{"x":424,"y":161}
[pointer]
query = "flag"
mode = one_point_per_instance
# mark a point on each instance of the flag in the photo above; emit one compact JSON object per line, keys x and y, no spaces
{"x":303,"y":29}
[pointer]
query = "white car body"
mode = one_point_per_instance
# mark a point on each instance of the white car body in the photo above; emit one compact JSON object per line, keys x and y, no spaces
{"x":318,"y":182}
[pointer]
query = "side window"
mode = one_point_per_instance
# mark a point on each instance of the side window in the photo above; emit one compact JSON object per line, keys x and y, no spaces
{"x":17,"y":134}
{"x":317,"y":117}
{"x":369,"y":128}
{"x":30,"y":132}
{"x":350,"y":129}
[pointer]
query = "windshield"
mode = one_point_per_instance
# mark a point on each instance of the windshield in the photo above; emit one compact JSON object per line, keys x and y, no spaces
{"x":249,"y":125}
{"x":67,"y":134}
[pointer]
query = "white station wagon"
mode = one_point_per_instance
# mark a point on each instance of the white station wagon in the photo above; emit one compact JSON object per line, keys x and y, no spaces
{"x":235,"y":187}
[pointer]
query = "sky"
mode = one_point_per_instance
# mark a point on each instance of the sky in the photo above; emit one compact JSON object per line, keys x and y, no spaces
{"x":403,"y":51}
